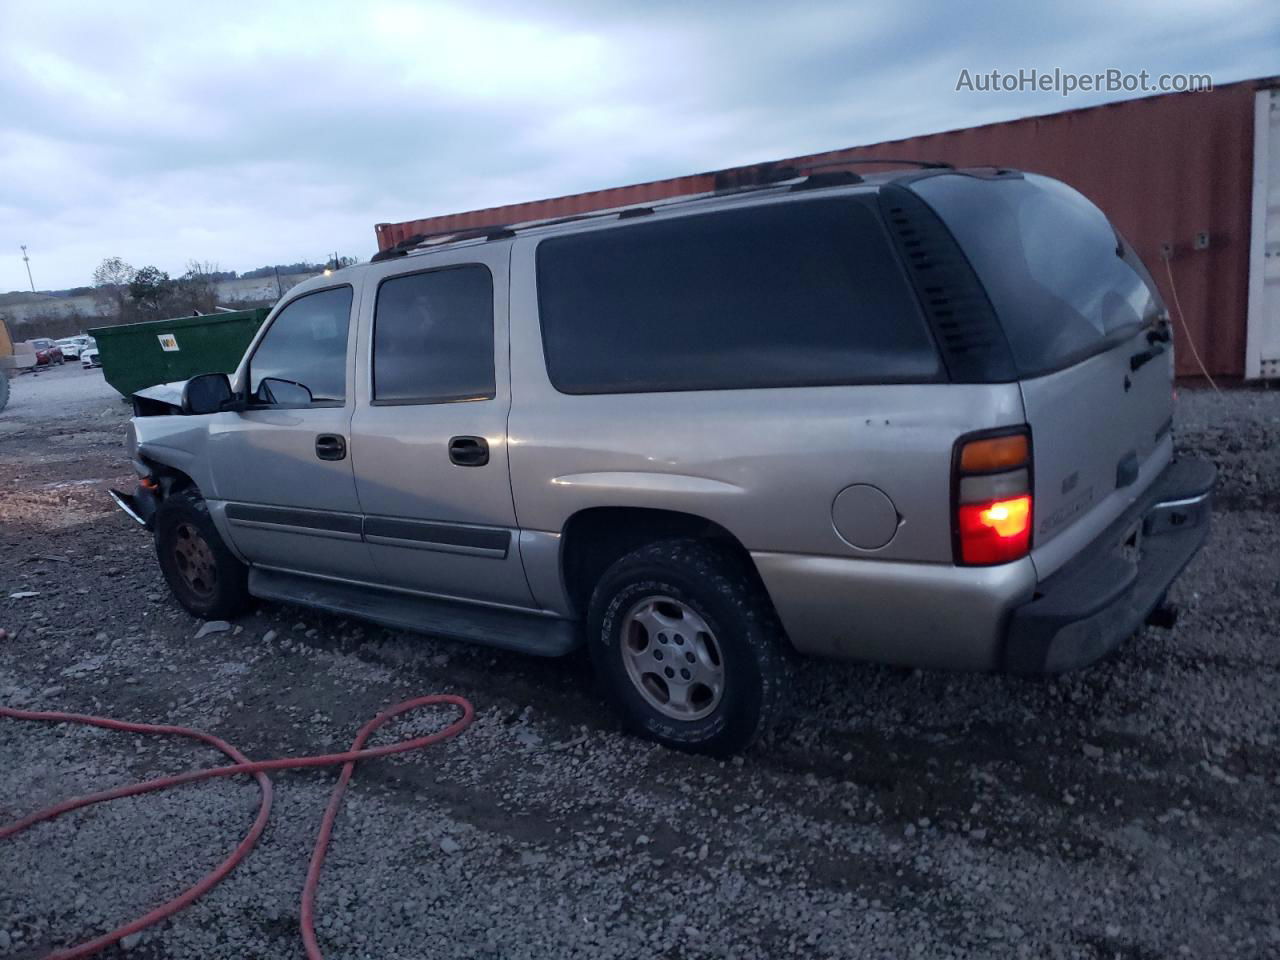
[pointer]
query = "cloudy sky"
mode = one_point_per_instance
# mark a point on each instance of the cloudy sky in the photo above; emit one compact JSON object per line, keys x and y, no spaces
{"x":271,"y":133}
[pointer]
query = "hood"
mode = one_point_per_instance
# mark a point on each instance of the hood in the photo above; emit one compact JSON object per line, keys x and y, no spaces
{"x":164,"y":394}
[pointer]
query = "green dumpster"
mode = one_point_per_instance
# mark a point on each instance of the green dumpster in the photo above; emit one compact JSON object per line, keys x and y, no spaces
{"x":138,"y":355}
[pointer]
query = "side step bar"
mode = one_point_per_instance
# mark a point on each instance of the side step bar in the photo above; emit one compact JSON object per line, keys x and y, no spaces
{"x":542,"y":636}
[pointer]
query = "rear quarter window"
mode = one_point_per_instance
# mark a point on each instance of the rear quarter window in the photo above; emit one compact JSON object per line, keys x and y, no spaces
{"x":806,"y":293}
{"x":1058,"y":275}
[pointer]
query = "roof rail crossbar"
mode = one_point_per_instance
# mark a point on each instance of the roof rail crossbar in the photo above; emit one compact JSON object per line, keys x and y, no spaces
{"x":923,"y":164}
{"x":495,"y":232}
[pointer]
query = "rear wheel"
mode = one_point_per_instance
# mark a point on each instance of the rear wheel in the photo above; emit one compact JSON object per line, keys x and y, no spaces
{"x":687,"y":649}
{"x":4,"y":389}
{"x":201,"y":571}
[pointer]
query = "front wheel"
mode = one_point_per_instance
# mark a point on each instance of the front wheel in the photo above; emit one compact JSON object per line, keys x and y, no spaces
{"x":202,"y":572}
{"x":686,"y":647}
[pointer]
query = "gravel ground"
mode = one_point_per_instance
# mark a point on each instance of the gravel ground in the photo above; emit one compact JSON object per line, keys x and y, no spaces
{"x":1127,"y":811}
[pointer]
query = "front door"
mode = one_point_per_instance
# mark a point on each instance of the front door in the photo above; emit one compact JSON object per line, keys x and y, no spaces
{"x":429,"y":435}
{"x":282,"y":468}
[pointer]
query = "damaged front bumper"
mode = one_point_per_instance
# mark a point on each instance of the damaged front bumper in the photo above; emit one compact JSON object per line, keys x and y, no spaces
{"x":142,"y":504}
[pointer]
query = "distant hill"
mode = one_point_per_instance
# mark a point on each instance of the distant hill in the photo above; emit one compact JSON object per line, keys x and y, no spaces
{"x":59,"y":313}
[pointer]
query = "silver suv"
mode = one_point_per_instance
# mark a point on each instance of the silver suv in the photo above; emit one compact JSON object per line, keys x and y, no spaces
{"x":921,"y":418}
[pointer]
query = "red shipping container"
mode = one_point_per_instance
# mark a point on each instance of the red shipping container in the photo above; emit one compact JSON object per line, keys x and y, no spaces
{"x":1174,"y":172}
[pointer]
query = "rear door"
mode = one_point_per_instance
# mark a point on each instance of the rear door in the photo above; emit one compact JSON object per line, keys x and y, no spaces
{"x":1089,"y":342}
{"x":430,"y":432}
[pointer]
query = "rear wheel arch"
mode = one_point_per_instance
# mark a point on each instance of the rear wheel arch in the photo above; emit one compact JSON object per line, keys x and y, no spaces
{"x":593,"y":539}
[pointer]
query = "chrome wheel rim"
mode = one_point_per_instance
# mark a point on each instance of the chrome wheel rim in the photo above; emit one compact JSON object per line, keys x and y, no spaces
{"x":672,"y":658}
{"x":194,"y":560}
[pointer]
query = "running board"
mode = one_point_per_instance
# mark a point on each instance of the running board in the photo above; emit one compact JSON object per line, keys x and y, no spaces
{"x":542,"y":636}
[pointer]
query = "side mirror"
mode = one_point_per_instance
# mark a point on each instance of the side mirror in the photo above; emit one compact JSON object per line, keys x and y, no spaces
{"x":283,"y":393}
{"x":207,"y":393}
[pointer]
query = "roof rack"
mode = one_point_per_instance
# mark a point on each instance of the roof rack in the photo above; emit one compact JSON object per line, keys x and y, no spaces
{"x":402,"y":248}
{"x":727,"y":183}
{"x":923,"y":164}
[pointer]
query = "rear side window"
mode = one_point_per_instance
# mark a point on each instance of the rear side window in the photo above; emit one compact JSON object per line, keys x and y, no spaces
{"x":806,"y":293}
{"x":433,"y":337}
{"x":1058,"y":275}
{"x":307,"y":344}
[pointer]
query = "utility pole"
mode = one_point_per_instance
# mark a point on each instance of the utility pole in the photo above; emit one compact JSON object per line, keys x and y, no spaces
{"x":27,"y":261}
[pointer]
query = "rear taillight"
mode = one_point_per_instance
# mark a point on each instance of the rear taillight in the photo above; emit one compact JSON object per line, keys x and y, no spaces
{"x":992,"y":485}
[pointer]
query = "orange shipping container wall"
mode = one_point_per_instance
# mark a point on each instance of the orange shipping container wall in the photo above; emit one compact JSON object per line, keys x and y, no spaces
{"x":1165,"y":169}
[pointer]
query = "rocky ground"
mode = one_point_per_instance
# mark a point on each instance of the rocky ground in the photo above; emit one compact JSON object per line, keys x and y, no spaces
{"x":1128,"y":811}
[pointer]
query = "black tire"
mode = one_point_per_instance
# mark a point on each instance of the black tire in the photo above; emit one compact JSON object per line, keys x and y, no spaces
{"x":214,"y":585}
{"x":714,"y":586}
{"x":4,"y":389}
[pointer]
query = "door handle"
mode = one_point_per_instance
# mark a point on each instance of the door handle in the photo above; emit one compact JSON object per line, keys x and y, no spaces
{"x":469,"y":451}
{"x":331,"y":446}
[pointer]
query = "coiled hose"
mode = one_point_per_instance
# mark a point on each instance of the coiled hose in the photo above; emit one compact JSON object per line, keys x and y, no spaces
{"x":241,"y":765}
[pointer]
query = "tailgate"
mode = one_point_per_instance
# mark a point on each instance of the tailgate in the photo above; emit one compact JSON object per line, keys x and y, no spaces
{"x":1101,"y":435}
{"x":1085,"y":331}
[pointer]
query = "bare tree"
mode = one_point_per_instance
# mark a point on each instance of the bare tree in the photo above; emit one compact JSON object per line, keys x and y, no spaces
{"x":197,"y":289}
{"x":111,"y":282}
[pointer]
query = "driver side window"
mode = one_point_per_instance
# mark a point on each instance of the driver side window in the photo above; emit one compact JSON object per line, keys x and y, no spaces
{"x":307,"y":345}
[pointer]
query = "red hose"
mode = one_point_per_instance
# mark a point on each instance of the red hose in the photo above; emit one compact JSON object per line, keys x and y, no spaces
{"x":242,"y":765}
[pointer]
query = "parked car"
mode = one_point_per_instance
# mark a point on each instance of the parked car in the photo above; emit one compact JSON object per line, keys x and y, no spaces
{"x":922,"y":418}
{"x":71,"y":347}
{"x":89,"y":354}
{"x":47,"y":352}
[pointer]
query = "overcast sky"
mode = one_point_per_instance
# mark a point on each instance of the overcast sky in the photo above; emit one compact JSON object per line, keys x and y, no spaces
{"x":276,"y":132}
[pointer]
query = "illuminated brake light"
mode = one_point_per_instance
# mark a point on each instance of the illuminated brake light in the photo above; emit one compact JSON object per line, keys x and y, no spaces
{"x":1008,"y":518}
{"x":993,"y":502}
{"x":995,"y":532}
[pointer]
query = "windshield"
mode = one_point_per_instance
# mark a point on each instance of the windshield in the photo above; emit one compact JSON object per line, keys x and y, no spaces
{"x":1058,"y":274}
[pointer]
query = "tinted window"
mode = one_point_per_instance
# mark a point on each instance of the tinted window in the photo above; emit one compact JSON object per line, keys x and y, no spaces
{"x":791,"y":294}
{"x":1057,"y":273}
{"x":433,"y":337}
{"x":307,"y":344}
